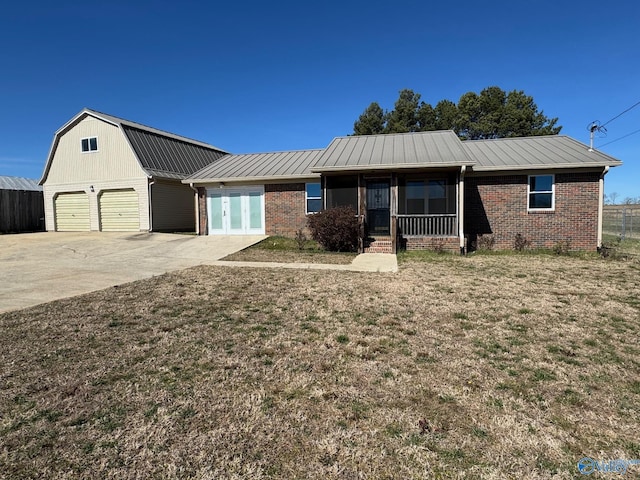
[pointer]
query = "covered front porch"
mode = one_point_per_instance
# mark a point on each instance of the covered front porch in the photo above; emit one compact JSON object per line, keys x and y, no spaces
{"x":402,"y":209}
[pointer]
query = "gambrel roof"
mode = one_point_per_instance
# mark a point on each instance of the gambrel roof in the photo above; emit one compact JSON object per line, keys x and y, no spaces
{"x":161,"y":154}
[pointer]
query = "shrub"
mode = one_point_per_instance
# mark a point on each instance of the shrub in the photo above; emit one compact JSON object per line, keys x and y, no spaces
{"x":335,"y":229}
{"x":520,"y":243}
{"x":486,"y":242}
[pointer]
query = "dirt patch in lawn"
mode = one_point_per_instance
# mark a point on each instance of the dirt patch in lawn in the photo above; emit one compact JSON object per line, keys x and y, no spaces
{"x":477,"y":367}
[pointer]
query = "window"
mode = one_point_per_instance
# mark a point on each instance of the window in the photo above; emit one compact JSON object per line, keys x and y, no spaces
{"x":314,"y":197}
{"x":541,"y":192}
{"x":427,"y":196}
{"x":342,"y":191}
{"x":90,"y":144}
{"x":415,"y":198}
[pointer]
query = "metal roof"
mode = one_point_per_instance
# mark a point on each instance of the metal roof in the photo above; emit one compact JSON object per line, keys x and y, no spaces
{"x":140,"y":126}
{"x":166,"y":156}
{"x":522,"y":153}
{"x":260,"y":166}
{"x":406,"y":151}
{"x":393,"y":151}
{"x":19,"y":183}
{"x":161,"y":154}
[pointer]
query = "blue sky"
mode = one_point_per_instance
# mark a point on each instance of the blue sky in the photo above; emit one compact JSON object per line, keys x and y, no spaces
{"x":251,"y":76}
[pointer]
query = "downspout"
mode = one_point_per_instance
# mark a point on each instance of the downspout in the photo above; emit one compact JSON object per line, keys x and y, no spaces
{"x":197,"y":207}
{"x":151,"y":182}
{"x":601,"y":205}
{"x":461,"y":208}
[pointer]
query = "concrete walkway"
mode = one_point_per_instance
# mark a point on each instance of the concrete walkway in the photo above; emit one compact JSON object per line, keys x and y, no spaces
{"x":41,"y":267}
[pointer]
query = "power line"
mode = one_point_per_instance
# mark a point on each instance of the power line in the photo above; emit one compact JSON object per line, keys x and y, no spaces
{"x":620,"y":114}
{"x":624,"y":136}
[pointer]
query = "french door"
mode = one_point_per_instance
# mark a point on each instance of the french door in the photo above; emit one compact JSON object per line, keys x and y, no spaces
{"x":236,"y":211}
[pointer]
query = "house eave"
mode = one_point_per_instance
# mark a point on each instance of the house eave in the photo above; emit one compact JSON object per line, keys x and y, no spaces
{"x":266,"y":179}
{"x":391,"y":167}
{"x":564,"y":166}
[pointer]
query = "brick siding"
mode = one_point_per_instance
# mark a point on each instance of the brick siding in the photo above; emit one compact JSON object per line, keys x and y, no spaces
{"x":447,"y":244}
{"x":285,"y":209}
{"x":497,"y":205}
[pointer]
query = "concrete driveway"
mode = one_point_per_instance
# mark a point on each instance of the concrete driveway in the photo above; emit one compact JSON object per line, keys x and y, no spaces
{"x":41,"y":267}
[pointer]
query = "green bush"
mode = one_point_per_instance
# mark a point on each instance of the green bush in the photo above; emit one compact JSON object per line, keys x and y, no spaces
{"x":335,"y":229}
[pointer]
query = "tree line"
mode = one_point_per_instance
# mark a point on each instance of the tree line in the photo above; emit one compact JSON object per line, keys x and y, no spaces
{"x":493,"y":113}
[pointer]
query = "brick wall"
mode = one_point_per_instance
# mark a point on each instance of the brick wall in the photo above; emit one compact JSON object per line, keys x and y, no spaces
{"x":497,"y":205}
{"x":448,"y":244}
{"x":285,"y":209}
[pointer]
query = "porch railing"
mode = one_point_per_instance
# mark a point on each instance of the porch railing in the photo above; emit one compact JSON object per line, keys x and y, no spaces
{"x":444,"y":225}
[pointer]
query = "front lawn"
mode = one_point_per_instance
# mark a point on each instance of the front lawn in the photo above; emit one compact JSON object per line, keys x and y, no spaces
{"x":287,"y":250}
{"x":477,"y":367}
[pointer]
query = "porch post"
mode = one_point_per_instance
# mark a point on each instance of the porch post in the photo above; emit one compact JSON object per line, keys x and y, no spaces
{"x":394,"y":213}
{"x":361,"y":211}
{"x":461,"y":208}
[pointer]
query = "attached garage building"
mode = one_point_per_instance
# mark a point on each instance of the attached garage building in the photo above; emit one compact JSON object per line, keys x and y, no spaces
{"x":104,"y":173}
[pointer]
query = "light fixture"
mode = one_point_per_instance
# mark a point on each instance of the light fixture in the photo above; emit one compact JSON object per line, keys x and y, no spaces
{"x":221,"y":184}
{"x":92,"y":189}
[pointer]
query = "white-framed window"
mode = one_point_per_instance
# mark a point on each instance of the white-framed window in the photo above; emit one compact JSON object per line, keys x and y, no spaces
{"x":313,"y":195}
{"x":541,"y":192}
{"x":89,"y":144}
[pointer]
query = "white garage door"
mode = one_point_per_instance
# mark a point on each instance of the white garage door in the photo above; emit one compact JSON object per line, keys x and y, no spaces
{"x":119,"y":211}
{"x":72,"y":212}
{"x":236,"y":211}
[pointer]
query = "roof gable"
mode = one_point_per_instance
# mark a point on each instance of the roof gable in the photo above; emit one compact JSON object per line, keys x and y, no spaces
{"x":160,"y":154}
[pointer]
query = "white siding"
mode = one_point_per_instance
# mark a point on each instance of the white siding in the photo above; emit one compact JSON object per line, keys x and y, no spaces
{"x":113,"y":166}
{"x":173,"y":206}
{"x":140,"y":185}
{"x":113,"y":160}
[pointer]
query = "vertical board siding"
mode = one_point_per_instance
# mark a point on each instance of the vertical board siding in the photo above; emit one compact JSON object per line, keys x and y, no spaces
{"x":113,"y":160}
{"x":21,"y":211}
{"x":113,"y":166}
{"x":173,"y":207}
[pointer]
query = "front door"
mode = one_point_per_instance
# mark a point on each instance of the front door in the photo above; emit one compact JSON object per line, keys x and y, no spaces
{"x":378,"y":213}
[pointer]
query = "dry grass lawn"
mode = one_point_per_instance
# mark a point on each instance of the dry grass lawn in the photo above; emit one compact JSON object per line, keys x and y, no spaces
{"x":481,"y":367}
{"x":286,"y":250}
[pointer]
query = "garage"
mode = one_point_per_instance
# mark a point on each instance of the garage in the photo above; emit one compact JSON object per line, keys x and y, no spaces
{"x":119,"y":211}
{"x":72,"y":212}
{"x":236,"y":211}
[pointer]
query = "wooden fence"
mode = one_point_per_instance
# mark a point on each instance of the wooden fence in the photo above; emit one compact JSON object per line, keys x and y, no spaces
{"x":21,"y":211}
